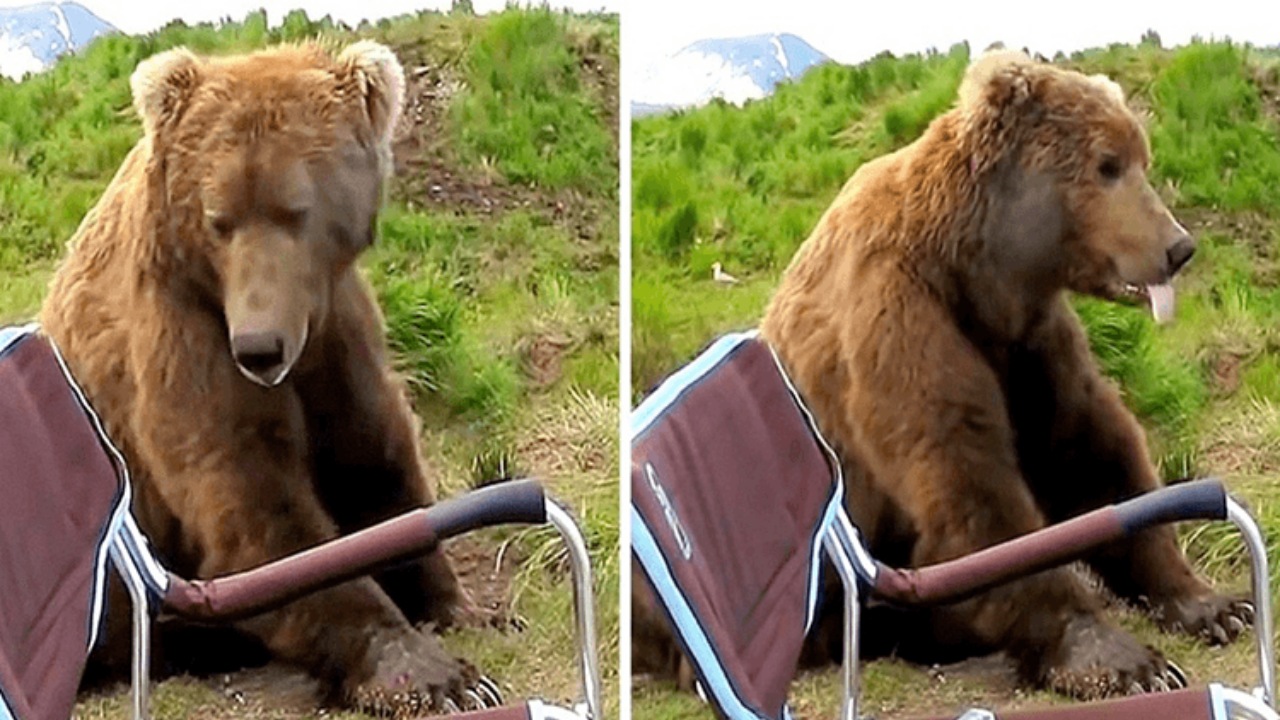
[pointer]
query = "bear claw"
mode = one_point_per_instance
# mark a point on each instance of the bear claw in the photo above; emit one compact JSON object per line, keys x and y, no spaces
{"x":489,"y":690}
{"x":1097,"y":660}
{"x":412,"y":675}
{"x":1214,"y":619}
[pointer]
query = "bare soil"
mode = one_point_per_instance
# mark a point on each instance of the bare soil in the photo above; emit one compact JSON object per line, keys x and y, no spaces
{"x":429,"y":176}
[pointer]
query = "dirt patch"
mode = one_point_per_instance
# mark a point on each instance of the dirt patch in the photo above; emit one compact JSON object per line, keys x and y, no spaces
{"x":286,"y":690}
{"x":598,"y":67}
{"x":1250,"y":227}
{"x":1242,"y":443}
{"x":486,"y":568}
{"x":542,"y":357}
{"x":1226,"y":372}
{"x":1267,"y":80}
{"x":428,"y":174}
{"x":554,"y":453}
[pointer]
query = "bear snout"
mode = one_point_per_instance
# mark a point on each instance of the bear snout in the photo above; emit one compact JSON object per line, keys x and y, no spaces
{"x":1179,"y":253}
{"x":260,"y":356}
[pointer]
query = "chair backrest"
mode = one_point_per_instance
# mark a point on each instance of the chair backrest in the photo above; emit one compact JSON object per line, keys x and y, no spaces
{"x":732,"y":490}
{"x":62,"y":495}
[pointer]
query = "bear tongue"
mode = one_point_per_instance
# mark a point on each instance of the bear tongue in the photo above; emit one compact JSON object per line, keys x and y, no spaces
{"x":1161,"y":301}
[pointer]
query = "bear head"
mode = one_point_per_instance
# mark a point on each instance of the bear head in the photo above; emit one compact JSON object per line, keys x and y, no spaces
{"x":265,"y":175}
{"x":1064,"y":162}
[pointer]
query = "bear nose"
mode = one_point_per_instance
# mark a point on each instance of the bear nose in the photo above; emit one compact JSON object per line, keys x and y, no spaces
{"x":1179,"y":253}
{"x":259,"y":354}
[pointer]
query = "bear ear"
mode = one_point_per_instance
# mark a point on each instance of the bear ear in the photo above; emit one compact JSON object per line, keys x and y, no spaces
{"x":1111,"y":87}
{"x":380,"y":80}
{"x":162,"y":85}
{"x":995,"y":95}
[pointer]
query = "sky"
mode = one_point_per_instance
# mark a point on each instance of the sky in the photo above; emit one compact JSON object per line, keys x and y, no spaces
{"x":853,"y":30}
{"x":139,"y":16}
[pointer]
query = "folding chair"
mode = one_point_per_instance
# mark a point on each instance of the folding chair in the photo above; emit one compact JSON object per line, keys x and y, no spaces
{"x":736,"y":498}
{"x":64,"y":519}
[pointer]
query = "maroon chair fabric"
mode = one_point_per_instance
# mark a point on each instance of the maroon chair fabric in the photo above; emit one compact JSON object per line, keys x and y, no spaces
{"x":1189,"y":704}
{"x":508,"y":712}
{"x":731,"y":491}
{"x":59,"y":492}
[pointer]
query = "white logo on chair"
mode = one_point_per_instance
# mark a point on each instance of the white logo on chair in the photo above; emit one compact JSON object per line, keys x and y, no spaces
{"x":668,"y":511}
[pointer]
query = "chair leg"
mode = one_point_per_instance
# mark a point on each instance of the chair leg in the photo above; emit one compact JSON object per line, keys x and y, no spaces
{"x":584,"y":606}
{"x":1262,"y":622}
{"x":852,"y":618}
{"x":141,"y":666}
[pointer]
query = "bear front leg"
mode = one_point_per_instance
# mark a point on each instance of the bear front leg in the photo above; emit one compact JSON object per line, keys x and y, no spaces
{"x":1092,"y":452}
{"x":1050,"y":623}
{"x":365,"y":447}
{"x":924,"y":412}
{"x":235,"y":474}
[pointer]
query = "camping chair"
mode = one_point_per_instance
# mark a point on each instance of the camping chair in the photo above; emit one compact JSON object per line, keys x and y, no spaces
{"x":64,"y":518}
{"x":736,"y":497}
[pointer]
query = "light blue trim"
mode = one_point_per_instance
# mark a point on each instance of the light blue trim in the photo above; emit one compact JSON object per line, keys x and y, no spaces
{"x":671,"y":388}
{"x":139,"y":553}
{"x":97,"y":602}
{"x":13,"y":333}
{"x":1217,"y":703}
{"x":5,"y":712}
{"x":716,"y":682}
{"x":850,"y":537}
{"x":815,"y":554}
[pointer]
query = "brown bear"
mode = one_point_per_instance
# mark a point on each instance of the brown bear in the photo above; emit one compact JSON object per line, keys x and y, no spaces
{"x":926,"y":322}
{"x":212,"y":309}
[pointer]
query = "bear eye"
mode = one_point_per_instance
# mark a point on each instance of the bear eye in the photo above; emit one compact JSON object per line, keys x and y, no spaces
{"x":1109,"y":168}
{"x":221,"y":225}
{"x":291,"y":217}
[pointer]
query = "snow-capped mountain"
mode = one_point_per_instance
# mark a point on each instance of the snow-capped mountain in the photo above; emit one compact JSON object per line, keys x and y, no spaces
{"x":32,"y":37}
{"x":736,"y":69}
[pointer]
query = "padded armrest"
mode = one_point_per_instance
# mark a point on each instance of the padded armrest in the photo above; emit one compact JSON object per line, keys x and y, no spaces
{"x":412,"y":534}
{"x":1189,"y":704}
{"x":1052,"y":546}
{"x":516,"y":501}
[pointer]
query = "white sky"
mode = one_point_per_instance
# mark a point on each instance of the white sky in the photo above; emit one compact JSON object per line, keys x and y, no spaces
{"x":851,"y":31}
{"x":143,"y":16}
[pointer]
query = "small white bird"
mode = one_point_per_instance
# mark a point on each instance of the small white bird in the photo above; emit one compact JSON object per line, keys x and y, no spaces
{"x":719,"y":275}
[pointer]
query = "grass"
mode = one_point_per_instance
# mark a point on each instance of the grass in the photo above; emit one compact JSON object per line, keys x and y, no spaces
{"x":525,"y":105}
{"x":505,"y":322}
{"x":744,"y":186}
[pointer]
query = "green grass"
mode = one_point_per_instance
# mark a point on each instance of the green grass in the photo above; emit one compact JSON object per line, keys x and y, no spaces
{"x":744,"y":186}
{"x":469,"y":298}
{"x":525,"y":107}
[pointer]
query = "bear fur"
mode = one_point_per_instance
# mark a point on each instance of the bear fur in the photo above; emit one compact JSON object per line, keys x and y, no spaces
{"x":211,"y":308}
{"x":926,"y":322}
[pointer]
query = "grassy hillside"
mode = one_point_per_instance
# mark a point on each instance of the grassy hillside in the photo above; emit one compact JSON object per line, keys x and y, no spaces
{"x":495,"y":266}
{"x":744,"y":186}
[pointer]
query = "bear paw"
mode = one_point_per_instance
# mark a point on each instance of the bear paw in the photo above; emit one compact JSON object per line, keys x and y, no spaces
{"x":1097,"y":660}
{"x":1214,"y":618}
{"x":412,"y":675}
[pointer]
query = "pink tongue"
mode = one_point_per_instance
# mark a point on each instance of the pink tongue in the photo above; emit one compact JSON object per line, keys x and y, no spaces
{"x":1161,"y":301}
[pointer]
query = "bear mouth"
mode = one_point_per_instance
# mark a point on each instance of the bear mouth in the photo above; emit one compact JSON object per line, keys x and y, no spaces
{"x":276,"y":378}
{"x":1158,"y":297}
